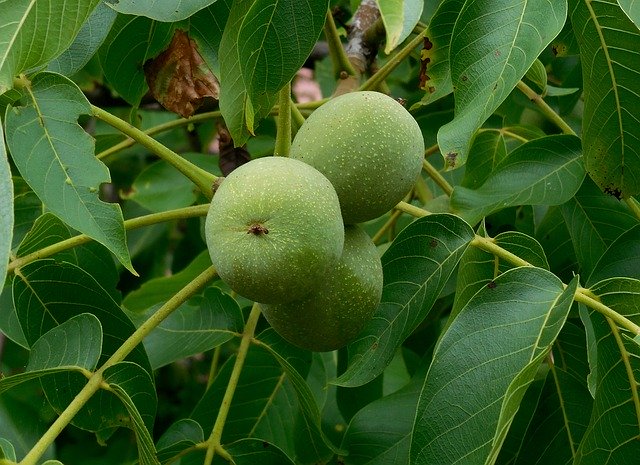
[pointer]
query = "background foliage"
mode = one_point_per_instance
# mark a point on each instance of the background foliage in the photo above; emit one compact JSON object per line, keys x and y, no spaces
{"x":509,"y":327}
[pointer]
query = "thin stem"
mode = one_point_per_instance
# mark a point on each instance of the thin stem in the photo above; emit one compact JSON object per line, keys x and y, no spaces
{"x":375,"y":80}
{"x":216,"y":433}
{"x":546,"y":110}
{"x":336,"y":50}
{"x":146,"y":220}
{"x":633,"y":206}
{"x":385,"y":227}
{"x":96,"y":380}
{"x":488,"y":245}
{"x":125,"y":144}
{"x":431,"y":150}
{"x":296,"y":116}
{"x":283,"y":131}
{"x":437,"y":178}
{"x":201,"y":178}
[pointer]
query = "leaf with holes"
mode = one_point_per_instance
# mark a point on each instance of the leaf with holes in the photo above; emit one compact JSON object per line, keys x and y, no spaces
{"x":56,"y":157}
{"x":611,"y":74}
{"x":493,"y":44}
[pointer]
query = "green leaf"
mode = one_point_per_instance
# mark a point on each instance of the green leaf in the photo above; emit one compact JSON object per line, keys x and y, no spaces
{"x":616,"y":400}
{"x":6,"y":450}
{"x":553,"y":235}
{"x":537,"y":75}
{"x":416,"y":267}
{"x":206,"y":28}
{"x":264,"y":404}
{"x":55,"y":156}
{"x":160,"y":187}
{"x":74,"y":345}
{"x":622,"y":258}
{"x":399,"y":18}
{"x":181,"y":435}
{"x":26,"y":208}
{"x":193,"y":329}
{"x":545,"y":171}
{"x":264,"y":44}
{"x":632,"y":9}
{"x":561,"y":410}
{"x":483,"y":364}
{"x":32,"y":32}
{"x":167,"y":11}
{"x":86,"y":43}
{"x":159,"y":290}
{"x":47,"y":293}
{"x":611,"y":72}
{"x":133,"y":385}
{"x":478,"y":268}
{"x":253,"y":451}
{"x":594,"y":220}
{"x":9,"y":323}
{"x":380,"y":433}
{"x":487,"y":151}
{"x":295,"y":364}
{"x":132,"y":40}
{"x":493,"y":44}
{"x":436,"y":72}
{"x":6,"y":209}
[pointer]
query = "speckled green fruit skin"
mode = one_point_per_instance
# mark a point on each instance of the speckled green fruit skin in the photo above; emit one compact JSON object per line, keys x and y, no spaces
{"x":335,"y":311}
{"x":369,"y":147}
{"x":274,"y":229}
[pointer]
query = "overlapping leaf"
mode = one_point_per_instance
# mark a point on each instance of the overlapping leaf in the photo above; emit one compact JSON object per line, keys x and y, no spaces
{"x":632,"y":9}
{"x":193,"y":329}
{"x":86,"y":43}
{"x":436,"y":71}
{"x":252,"y":451}
{"x":264,"y":44}
{"x":73,"y":345}
{"x":545,"y":171}
{"x":133,"y":385}
{"x":622,"y":258}
{"x":487,"y":151}
{"x":6,"y":209}
{"x":263,"y":407}
{"x":594,"y":220}
{"x":181,"y":435}
{"x":618,"y":364}
{"x":32,"y":32}
{"x":416,"y":267}
{"x":160,"y":10}
{"x":399,"y":18}
{"x":56,"y":157}
{"x":483,"y":364}
{"x":493,"y":44}
{"x":611,"y":72}
{"x":132,"y":40}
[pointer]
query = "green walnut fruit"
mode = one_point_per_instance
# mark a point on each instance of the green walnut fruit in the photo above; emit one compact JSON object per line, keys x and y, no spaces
{"x":274,"y":229}
{"x":369,"y":147}
{"x":338,"y":307}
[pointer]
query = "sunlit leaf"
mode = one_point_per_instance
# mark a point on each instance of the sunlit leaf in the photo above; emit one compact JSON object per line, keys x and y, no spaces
{"x":56,"y":157}
{"x":616,"y":395}
{"x":416,"y":267}
{"x":483,"y":364}
{"x":611,"y":72}
{"x":32,"y":32}
{"x":160,"y":10}
{"x":632,"y":9}
{"x":545,"y":171}
{"x":399,"y":18}
{"x":493,"y":44}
